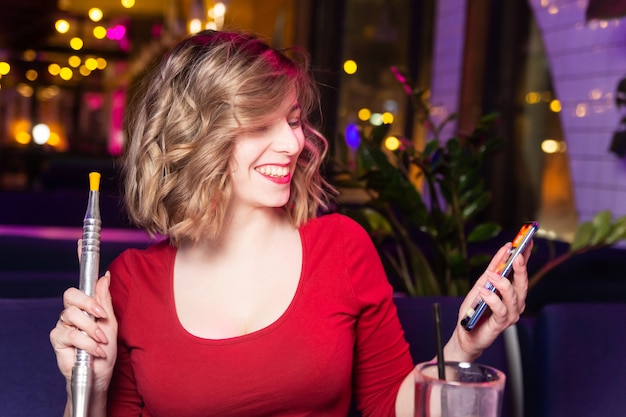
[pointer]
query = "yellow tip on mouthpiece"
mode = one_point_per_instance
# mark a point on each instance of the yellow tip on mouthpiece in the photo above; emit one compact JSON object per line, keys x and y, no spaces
{"x":94,"y":181}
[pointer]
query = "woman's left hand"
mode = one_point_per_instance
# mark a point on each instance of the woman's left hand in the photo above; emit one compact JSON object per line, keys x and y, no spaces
{"x":505,"y":307}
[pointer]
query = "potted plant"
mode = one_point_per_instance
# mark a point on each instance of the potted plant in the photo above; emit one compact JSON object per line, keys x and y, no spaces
{"x":422,"y":206}
{"x":423,"y":237}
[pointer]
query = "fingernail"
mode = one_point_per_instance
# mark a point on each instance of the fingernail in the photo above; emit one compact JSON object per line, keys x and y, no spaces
{"x":99,"y":312}
{"x":100,"y":352}
{"x":102,"y":338}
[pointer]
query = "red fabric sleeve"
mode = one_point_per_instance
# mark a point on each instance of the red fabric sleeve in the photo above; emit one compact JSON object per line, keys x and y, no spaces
{"x":123,"y":398}
{"x":382,"y":358}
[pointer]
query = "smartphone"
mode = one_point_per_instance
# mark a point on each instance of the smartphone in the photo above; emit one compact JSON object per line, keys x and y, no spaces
{"x":520,"y":242}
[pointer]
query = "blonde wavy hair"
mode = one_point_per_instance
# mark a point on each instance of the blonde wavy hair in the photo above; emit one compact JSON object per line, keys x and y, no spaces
{"x":206,"y":90}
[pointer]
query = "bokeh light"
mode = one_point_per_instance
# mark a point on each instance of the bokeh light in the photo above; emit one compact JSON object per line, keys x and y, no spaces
{"x":5,"y":68}
{"x":91,"y":63}
{"x":353,"y":136}
{"x":95,"y":14}
{"x":116,"y":32}
{"x":74,"y":61}
{"x":31,"y":75}
{"x":555,"y":106}
{"x":376,"y":119}
{"x":41,"y":133}
{"x":66,"y":73}
{"x":76,"y":43}
{"x":99,"y":32}
{"x":62,"y":26}
{"x":364,"y":114}
{"x":392,"y":143}
{"x":350,"y":67}
{"x":387,"y":118}
{"x":54,"y":69}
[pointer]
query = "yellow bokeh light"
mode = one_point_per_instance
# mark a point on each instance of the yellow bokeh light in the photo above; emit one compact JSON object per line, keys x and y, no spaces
{"x":5,"y":68}
{"x":54,"y":69}
{"x":74,"y":61}
{"x":387,"y":118}
{"x":549,"y":146}
{"x":102,"y":63}
{"x":533,"y":97}
{"x":349,"y":66}
{"x":194,"y":26}
{"x":392,"y":143}
{"x":84,"y":71}
{"x":31,"y":75}
{"x":66,"y":73}
{"x":99,"y":32}
{"x":54,"y":139}
{"x":20,"y":129}
{"x":555,"y":106}
{"x":25,"y":90}
{"x":128,"y":3}
{"x":22,"y":137}
{"x":91,"y":63}
{"x":364,"y":114}
{"x":62,"y":26}
{"x":76,"y":43}
{"x":95,"y":14}
{"x":219,"y":9}
{"x":29,"y":55}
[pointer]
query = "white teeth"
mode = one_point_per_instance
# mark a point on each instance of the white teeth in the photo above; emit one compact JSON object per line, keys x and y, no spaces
{"x":273,"y":171}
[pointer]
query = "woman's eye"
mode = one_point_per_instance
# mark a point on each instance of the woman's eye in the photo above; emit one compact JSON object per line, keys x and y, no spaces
{"x":295,"y":123}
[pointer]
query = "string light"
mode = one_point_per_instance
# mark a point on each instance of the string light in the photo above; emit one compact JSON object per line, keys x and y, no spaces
{"x":349,"y":67}
{"x":392,"y":143}
{"x":76,"y":43}
{"x":99,"y":32}
{"x":62,"y":26}
{"x":95,"y":14}
{"x":5,"y":68}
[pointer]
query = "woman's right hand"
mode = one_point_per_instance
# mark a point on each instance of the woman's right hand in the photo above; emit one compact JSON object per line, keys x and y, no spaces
{"x":75,"y":329}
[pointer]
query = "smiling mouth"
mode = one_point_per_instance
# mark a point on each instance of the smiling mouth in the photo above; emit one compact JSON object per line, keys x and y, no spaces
{"x":273,"y":171}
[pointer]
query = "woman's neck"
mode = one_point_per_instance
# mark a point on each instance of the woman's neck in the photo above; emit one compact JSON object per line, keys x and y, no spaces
{"x":245,"y":233}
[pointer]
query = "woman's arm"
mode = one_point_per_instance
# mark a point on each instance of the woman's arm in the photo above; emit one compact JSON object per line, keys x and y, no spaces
{"x":506,"y":308}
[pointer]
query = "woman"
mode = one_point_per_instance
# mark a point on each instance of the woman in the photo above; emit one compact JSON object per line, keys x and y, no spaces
{"x":254,"y":305}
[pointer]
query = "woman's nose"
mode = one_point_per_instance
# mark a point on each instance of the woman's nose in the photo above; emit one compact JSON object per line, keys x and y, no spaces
{"x":288,"y":139}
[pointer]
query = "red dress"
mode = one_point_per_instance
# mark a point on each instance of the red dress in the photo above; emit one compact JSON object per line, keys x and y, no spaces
{"x":339,"y":337}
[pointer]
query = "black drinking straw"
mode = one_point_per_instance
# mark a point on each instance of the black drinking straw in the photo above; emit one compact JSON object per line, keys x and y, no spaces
{"x":440,"y":359}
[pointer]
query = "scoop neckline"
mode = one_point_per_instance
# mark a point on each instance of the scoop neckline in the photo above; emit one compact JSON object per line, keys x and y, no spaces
{"x":234,"y":339}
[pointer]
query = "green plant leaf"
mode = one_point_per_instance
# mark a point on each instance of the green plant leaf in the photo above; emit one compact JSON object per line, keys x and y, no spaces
{"x":582,"y":236}
{"x":430,"y":148}
{"x":483,"y":232}
{"x":476,"y":206}
{"x":377,"y":221}
{"x":602,"y":227}
{"x":618,"y":232}
{"x":470,"y":179}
